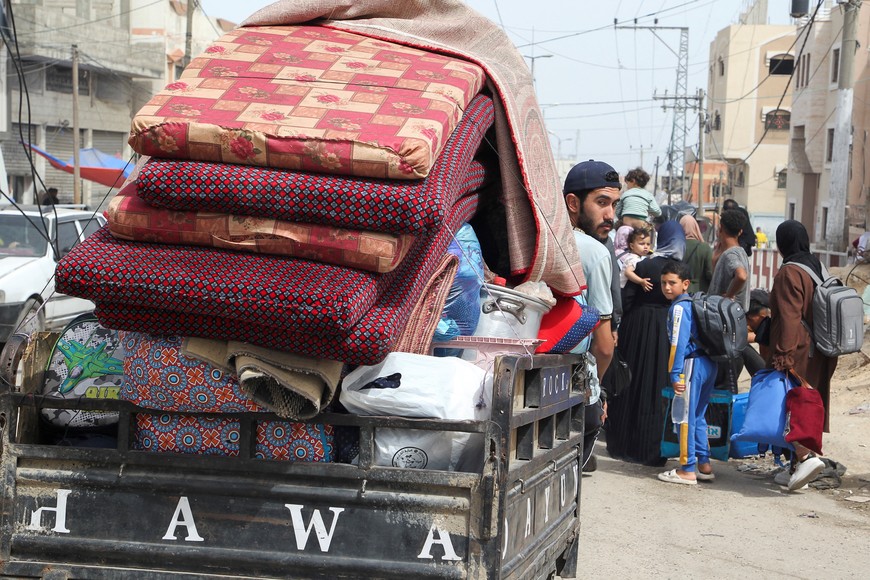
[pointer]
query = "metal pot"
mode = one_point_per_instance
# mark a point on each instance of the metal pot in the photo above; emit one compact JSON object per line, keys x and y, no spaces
{"x":506,"y":313}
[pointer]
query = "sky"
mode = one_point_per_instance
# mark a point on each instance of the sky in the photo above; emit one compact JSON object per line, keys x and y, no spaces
{"x":596,"y":83}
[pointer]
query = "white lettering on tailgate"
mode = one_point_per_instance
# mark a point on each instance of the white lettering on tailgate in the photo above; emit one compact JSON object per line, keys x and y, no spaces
{"x":183,"y":516}
{"x":59,"y":514}
{"x":443,"y":540}
{"x":302,"y":532}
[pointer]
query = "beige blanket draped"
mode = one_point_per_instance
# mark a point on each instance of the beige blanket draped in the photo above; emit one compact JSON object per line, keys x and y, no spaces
{"x":291,"y":386}
{"x":540,"y":239}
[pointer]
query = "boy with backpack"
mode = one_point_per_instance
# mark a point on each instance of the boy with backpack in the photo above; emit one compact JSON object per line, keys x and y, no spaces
{"x":692,"y":374}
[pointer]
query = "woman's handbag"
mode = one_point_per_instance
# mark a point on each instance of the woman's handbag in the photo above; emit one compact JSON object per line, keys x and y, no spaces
{"x":805,"y":416}
{"x":765,"y":420}
{"x":617,"y":377}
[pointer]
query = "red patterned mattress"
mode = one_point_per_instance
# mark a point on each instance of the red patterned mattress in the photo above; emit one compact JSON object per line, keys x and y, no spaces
{"x":130,"y":218}
{"x":311,"y":99}
{"x":368,"y":342}
{"x":409,"y":207}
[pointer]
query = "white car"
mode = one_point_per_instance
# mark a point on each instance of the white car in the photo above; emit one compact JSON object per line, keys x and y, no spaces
{"x":28,"y":301}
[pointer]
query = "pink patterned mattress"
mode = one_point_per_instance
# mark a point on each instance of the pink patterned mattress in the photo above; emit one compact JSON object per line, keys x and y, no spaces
{"x":410,"y":207}
{"x":130,"y":218}
{"x":312,"y":99}
{"x":368,"y":342}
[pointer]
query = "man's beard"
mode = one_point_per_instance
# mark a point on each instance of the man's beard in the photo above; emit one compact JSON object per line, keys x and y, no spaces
{"x":590,"y":228}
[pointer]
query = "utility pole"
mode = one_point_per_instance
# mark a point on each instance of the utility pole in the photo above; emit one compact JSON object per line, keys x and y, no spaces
{"x":679,"y":130}
{"x":188,"y":34}
{"x":642,"y":149}
{"x":838,"y":193}
{"x":77,"y":184}
{"x":702,"y":123}
{"x":681,"y":105}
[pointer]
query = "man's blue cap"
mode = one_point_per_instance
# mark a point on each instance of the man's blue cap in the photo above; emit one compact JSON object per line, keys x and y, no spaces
{"x":590,"y":175}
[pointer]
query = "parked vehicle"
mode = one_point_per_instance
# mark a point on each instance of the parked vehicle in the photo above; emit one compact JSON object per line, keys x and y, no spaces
{"x":72,"y":512}
{"x":31,"y":243}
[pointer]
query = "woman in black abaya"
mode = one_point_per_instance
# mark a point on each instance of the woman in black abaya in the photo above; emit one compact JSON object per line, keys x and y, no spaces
{"x":636,"y":417}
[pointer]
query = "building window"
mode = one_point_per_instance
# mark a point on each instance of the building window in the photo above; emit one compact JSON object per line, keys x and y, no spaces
{"x":791,"y":210}
{"x":59,"y":80}
{"x":782,"y":179}
{"x":737,"y":175}
{"x":829,"y":146}
{"x":806,"y":69}
{"x":824,"y":223}
{"x":717,"y":121}
{"x":835,"y":65}
{"x":797,"y":73}
{"x":778,"y":120}
{"x":782,"y":64}
{"x":721,"y":67}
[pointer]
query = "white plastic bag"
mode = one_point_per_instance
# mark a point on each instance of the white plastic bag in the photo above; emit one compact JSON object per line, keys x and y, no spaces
{"x":430,"y":387}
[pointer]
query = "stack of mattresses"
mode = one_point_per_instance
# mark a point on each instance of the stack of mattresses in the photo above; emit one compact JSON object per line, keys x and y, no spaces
{"x":300,"y":191}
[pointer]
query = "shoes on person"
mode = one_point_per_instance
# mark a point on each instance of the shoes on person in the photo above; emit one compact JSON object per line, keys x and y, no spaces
{"x":591,"y":464}
{"x":673,"y":477}
{"x":705,"y":476}
{"x":805,"y":472}
{"x":783,"y":476}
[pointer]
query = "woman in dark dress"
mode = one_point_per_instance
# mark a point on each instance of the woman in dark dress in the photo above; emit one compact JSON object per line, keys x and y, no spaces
{"x":636,"y":417}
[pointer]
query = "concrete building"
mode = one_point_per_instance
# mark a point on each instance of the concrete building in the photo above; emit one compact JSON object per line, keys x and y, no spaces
{"x":126,"y":50}
{"x":749,"y":113}
{"x":814,"y":117}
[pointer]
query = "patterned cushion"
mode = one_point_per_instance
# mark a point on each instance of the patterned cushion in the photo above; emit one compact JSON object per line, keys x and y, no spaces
{"x":363,"y":204}
{"x":130,"y":218}
{"x":268,"y":290}
{"x":277,"y":440}
{"x":158,"y":376}
{"x":312,"y":99}
{"x":367,"y":343}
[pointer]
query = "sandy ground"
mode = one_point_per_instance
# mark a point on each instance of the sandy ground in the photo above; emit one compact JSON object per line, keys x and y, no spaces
{"x":742,"y":525}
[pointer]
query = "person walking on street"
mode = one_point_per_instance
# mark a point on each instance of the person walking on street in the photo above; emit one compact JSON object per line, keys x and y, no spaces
{"x":699,"y":255}
{"x":636,"y":417}
{"x":791,"y":346}
{"x":591,"y":191}
{"x":692,"y":375}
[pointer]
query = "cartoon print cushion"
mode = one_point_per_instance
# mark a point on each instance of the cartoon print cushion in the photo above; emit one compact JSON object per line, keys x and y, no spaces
{"x":86,"y":362}
{"x":312,"y":99}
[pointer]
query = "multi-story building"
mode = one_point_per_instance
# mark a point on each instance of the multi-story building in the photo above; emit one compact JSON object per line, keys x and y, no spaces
{"x":126,"y":49}
{"x":814,"y":120}
{"x":749,"y":114}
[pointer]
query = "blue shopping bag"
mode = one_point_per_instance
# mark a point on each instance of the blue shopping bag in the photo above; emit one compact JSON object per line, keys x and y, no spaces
{"x":765,"y":411}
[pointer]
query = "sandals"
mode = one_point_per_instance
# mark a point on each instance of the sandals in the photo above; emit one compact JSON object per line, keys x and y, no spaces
{"x":705,"y":476}
{"x":672,"y":477}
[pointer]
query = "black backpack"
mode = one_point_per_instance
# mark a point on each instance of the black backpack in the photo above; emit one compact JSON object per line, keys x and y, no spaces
{"x":722,"y":333}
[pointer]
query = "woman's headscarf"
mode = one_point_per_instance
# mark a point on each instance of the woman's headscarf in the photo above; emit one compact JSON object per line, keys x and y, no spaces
{"x":691,"y":228}
{"x":671,"y":242}
{"x":620,"y":243}
{"x":793,"y":243}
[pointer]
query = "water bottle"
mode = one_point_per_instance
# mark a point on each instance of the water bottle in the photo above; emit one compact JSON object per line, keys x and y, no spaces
{"x":680,"y":406}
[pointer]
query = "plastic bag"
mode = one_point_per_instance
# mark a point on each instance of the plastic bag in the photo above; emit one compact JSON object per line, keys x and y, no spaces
{"x":765,"y":413}
{"x":462,"y":307}
{"x":430,"y":387}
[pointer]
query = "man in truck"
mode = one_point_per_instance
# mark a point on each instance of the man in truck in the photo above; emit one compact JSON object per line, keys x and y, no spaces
{"x":591,"y":190}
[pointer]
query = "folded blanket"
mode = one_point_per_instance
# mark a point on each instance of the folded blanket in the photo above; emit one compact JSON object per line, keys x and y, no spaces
{"x":243,"y":287}
{"x":130,"y":218}
{"x":417,"y":336}
{"x":368,"y":342}
{"x":292,"y":386}
{"x":311,"y":99}
{"x":409,"y":207}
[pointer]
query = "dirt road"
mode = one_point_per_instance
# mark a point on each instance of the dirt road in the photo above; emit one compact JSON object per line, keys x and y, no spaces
{"x":742,"y":525}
